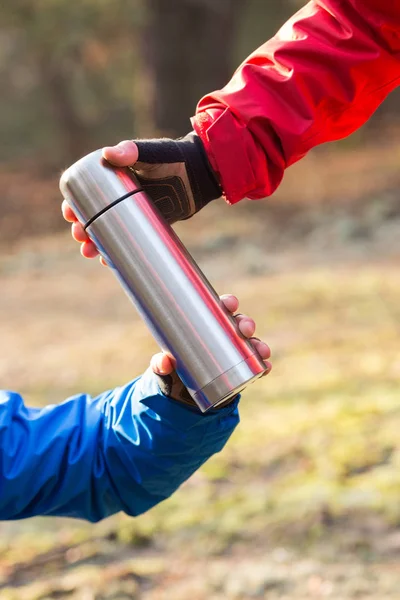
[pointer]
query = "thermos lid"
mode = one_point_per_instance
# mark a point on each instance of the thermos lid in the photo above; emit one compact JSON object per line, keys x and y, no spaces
{"x":92,"y":184}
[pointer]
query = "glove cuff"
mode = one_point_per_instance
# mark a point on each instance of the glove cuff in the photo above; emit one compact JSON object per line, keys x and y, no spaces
{"x":202,"y":177}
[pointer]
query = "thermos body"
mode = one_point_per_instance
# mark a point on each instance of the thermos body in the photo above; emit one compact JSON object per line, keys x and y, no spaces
{"x":179,"y":305}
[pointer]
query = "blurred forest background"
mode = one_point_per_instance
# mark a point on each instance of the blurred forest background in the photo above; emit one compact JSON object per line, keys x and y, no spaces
{"x":76,"y":76}
{"x":305,"y":500}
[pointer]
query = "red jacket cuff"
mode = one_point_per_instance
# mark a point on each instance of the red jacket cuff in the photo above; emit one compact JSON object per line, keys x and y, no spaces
{"x":239,"y":162}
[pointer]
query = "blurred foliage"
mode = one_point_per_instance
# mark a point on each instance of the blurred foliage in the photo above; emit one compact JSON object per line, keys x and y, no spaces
{"x":67,"y":71}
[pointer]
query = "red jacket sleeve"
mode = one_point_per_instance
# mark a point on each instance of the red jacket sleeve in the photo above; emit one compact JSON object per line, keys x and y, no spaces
{"x":318,"y":80}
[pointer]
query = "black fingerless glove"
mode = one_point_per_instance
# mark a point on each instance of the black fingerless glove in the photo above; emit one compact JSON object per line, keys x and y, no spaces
{"x":177,"y":175}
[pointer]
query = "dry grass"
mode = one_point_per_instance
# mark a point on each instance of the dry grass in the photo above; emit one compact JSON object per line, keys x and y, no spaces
{"x":305,"y":495}
{"x":304,"y":501}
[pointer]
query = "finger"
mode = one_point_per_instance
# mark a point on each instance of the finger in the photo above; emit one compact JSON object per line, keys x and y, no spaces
{"x":231,"y":302}
{"x":78,"y":233}
{"x":161,"y":364}
{"x":246,"y":324}
{"x":89,"y":250}
{"x":268,"y":367}
{"x":261,"y":347}
{"x":67,"y":212}
{"x":103,"y":262}
{"x":123,"y":154}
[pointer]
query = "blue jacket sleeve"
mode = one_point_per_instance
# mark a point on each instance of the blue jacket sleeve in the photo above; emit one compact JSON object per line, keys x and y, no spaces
{"x":125,"y":450}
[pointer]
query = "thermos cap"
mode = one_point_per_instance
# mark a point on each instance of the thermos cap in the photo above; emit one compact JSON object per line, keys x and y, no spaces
{"x":90,"y":174}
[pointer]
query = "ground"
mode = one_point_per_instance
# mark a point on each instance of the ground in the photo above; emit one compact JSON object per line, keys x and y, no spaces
{"x":304,"y":501}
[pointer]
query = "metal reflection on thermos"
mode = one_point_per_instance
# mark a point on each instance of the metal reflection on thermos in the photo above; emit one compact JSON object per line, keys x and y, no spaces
{"x":177,"y":302}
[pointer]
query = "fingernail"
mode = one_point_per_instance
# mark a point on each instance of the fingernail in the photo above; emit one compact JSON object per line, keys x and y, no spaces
{"x":160,"y":366}
{"x":113,"y":149}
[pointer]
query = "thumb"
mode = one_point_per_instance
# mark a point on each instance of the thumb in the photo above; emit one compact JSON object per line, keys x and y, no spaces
{"x":161,"y":364}
{"x":124,"y":154}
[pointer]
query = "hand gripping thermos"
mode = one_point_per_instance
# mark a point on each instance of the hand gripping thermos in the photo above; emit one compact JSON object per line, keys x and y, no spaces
{"x":179,"y":305}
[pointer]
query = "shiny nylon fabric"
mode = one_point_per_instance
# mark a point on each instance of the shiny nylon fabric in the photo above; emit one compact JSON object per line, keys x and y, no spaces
{"x":318,"y":80}
{"x":126,"y":450}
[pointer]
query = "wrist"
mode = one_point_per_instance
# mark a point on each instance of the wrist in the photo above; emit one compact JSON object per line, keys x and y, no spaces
{"x":172,"y":387}
{"x":201,"y":173}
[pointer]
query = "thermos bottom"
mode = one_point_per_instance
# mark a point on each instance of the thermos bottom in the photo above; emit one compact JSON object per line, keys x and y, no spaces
{"x":229,"y":384}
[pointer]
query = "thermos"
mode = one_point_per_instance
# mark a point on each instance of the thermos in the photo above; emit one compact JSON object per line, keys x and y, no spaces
{"x":181,"y":308}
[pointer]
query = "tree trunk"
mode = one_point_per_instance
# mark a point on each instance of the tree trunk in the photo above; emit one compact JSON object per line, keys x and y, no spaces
{"x":74,"y":132}
{"x":189,"y":48}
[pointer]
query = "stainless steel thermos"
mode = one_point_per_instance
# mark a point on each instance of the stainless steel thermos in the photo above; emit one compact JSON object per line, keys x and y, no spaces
{"x":179,"y":305}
